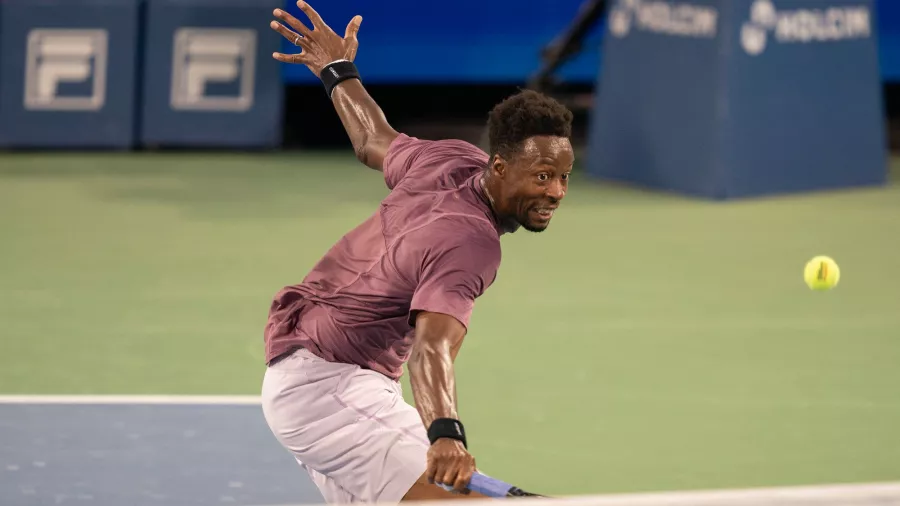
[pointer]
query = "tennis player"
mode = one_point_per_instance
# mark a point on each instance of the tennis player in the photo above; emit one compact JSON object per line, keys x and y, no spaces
{"x":400,"y":287}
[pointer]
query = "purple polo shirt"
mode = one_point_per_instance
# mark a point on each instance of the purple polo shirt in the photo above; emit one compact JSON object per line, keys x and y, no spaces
{"x":433,"y":245}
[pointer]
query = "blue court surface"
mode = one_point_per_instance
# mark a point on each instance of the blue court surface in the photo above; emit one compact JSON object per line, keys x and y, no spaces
{"x":162,"y":454}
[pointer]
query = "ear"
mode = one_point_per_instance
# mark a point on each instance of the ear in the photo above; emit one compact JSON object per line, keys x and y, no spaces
{"x":498,"y":166}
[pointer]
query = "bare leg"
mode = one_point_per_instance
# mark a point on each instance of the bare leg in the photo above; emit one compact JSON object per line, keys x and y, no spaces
{"x":424,"y":491}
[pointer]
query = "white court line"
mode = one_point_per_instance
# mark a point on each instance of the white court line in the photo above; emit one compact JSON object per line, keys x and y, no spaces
{"x":857,"y":494}
{"x":216,"y":400}
{"x":881,"y":494}
{"x":862,"y":494}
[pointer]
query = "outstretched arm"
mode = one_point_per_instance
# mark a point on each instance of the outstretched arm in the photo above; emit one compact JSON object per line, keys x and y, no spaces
{"x":364,"y":121}
{"x":431,"y":376}
{"x":366,"y":125}
{"x":455,"y":271}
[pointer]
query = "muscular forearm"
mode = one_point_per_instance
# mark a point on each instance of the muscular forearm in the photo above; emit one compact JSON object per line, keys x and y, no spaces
{"x":364,"y":121}
{"x":438,"y":339}
{"x":431,"y":374}
{"x":432,"y":379}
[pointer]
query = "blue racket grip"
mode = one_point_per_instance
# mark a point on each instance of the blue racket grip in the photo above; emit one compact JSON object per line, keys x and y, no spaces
{"x":485,"y":485}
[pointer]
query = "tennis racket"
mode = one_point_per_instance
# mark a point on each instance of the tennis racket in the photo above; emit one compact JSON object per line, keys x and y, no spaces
{"x":492,"y":487}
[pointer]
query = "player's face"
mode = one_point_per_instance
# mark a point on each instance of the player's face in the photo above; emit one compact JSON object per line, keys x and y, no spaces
{"x":535,"y":181}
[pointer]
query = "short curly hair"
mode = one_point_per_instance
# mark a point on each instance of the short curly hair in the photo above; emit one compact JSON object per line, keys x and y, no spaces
{"x":524,"y":115}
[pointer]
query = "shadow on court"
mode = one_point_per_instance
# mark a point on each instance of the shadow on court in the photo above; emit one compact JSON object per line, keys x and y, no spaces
{"x":137,"y":455}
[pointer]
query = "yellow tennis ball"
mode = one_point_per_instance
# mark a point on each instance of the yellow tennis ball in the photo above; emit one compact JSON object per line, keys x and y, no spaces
{"x":822,"y":273}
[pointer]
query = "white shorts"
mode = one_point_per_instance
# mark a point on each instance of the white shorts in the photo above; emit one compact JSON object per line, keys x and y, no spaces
{"x":348,"y":427}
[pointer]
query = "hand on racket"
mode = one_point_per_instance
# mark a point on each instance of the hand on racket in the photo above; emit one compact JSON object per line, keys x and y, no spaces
{"x":450,"y":465}
{"x":492,"y":487}
{"x":320,"y":46}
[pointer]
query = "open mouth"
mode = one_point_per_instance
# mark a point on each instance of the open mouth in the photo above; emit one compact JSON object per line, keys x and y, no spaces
{"x":543,"y":213}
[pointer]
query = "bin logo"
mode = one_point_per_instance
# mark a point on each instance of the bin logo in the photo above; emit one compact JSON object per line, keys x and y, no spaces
{"x":65,"y":69}
{"x":803,"y":25}
{"x":213,"y":69}
{"x":667,"y":18}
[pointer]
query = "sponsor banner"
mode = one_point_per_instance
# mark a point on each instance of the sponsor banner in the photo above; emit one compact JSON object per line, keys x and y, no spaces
{"x":208,"y":75}
{"x":772,"y":97}
{"x":68,"y":73}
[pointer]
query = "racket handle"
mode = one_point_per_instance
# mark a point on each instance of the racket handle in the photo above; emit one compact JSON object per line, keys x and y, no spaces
{"x":491,"y":487}
{"x":485,"y":485}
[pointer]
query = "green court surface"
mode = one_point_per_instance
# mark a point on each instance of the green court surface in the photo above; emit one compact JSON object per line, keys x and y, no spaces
{"x":644,"y":342}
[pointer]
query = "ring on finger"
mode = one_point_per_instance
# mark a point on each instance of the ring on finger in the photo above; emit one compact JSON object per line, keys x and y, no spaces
{"x":297,"y":40}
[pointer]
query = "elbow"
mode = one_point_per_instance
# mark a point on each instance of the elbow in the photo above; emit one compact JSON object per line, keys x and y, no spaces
{"x":417,"y":364}
{"x":419,"y":353}
{"x":372,"y":148}
{"x":362,"y":151}
{"x":366,"y":151}
{"x":425,"y":354}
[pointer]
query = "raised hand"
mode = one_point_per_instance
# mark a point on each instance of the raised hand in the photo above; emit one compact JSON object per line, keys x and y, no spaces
{"x":320,"y":46}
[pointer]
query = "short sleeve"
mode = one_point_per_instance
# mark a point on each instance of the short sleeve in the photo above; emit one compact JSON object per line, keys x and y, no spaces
{"x":409,"y":154}
{"x":454,"y":275}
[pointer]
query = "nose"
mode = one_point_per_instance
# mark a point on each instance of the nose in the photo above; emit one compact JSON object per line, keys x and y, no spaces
{"x":556,"y":190}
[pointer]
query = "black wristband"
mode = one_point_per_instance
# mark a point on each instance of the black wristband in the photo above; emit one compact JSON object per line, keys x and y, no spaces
{"x":447,"y":428}
{"x":337,"y":72}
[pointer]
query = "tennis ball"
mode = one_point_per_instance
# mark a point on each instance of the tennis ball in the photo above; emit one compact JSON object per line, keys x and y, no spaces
{"x":821,"y":273}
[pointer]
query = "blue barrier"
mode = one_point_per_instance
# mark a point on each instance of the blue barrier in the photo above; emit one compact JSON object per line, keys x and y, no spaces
{"x":67,"y":73}
{"x":737,"y":98}
{"x":468,"y":41}
{"x":477,"y":41}
{"x":888,"y":17}
{"x":209,"y":77}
